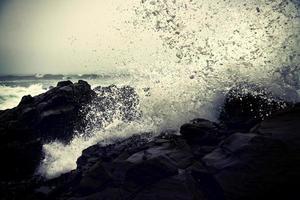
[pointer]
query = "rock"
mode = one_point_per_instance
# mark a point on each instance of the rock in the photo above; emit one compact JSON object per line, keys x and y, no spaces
{"x":126,"y":166}
{"x":36,"y":120}
{"x":111,"y":152}
{"x":149,"y":171}
{"x":93,"y":179}
{"x":108,"y":194}
{"x":64,"y":83}
{"x":175,"y":187}
{"x":200,"y":131}
{"x":284,"y":126}
{"x":20,"y":159}
{"x":246,"y":105}
{"x":27,"y":99}
{"x":209,"y":186}
{"x":251,"y":166}
{"x":43,"y":190}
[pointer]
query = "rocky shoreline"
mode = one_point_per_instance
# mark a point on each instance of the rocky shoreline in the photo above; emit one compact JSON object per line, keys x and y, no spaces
{"x":252,"y":153}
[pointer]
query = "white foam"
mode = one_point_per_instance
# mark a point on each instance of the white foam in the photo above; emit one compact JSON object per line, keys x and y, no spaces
{"x":11,"y":96}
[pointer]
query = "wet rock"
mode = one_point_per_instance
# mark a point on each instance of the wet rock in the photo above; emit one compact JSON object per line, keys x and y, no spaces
{"x":108,"y":194}
{"x":93,"y":179}
{"x":208,"y":184}
{"x":112,"y":152}
{"x":201,"y":131}
{"x":149,"y":171}
{"x":246,"y":105}
{"x":284,"y":126}
{"x":36,"y":120}
{"x":250,"y":166}
{"x":64,"y":83}
{"x":171,"y":188}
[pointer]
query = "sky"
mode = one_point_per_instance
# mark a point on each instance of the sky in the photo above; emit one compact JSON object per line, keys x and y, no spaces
{"x":70,"y":36}
{"x":95,"y":36}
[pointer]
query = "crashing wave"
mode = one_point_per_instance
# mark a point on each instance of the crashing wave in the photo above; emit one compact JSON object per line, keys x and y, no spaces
{"x":207,"y":47}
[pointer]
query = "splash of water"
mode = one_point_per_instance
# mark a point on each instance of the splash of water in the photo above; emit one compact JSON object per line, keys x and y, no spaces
{"x":206,"y":47}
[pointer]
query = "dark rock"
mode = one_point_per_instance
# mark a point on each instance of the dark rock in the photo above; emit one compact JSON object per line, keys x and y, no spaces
{"x":284,"y":126}
{"x":175,"y":187}
{"x":126,"y":166}
{"x":43,"y":190}
{"x":251,"y":166}
{"x":36,"y":120}
{"x":27,"y":99}
{"x":201,"y":131}
{"x":93,"y":179}
{"x":208,"y":184}
{"x":111,"y":152}
{"x":107,"y":194}
{"x":149,"y":171}
{"x":64,"y":83}
{"x":20,"y":159}
{"x":246,"y":105}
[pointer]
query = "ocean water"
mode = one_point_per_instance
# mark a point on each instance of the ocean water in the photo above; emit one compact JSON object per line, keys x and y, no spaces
{"x":203,"y":48}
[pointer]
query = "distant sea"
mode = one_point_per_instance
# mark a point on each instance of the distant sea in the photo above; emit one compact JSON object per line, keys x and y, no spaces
{"x":14,"y":87}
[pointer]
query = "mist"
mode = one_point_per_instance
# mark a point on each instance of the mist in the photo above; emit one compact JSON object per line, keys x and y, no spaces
{"x":71,"y":36}
{"x":76,"y":36}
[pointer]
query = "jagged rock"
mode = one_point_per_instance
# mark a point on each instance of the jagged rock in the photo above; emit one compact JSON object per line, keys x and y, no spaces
{"x":130,"y":165}
{"x":246,"y":105}
{"x":201,"y":131}
{"x":93,"y":179}
{"x":64,"y":83}
{"x":48,"y":116}
{"x":284,"y":126}
{"x":252,"y":166}
{"x":149,"y":172}
{"x":209,"y":186}
{"x":111,"y":152}
{"x":175,"y":187}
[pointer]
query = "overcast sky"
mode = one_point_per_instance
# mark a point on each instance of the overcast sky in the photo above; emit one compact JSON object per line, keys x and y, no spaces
{"x":92,"y":36}
{"x":69,"y":36}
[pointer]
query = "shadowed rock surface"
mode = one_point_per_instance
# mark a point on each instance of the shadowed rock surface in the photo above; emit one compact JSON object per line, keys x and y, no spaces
{"x":46,"y":117}
{"x":246,"y":105}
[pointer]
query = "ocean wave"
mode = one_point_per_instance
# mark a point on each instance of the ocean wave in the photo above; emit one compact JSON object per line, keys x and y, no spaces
{"x":11,"y":96}
{"x":207,"y":47}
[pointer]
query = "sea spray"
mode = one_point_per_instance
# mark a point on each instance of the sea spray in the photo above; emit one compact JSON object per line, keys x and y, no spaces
{"x":202,"y":49}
